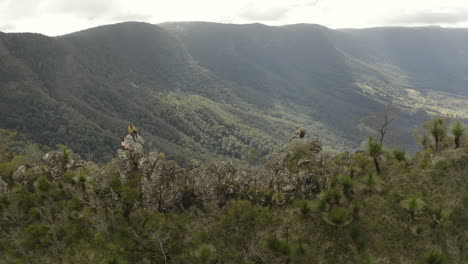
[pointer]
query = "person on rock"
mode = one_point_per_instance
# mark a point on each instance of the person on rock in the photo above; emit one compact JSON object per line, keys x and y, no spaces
{"x":125,"y":145}
{"x":299,"y":133}
{"x":133,"y":131}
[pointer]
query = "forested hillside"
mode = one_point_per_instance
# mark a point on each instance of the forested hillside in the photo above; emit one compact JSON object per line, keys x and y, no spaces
{"x":208,"y":90}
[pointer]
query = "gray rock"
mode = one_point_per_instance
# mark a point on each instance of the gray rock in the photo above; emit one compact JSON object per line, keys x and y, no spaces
{"x":160,"y":189}
{"x":19,"y":175}
{"x":3,"y":186}
{"x":132,"y":159}
{"x":125,"y":164}
{"x":164,"y":186}
{"x":218,"y":181}
{"x":74,"y":162}
{"x":56,"y":164}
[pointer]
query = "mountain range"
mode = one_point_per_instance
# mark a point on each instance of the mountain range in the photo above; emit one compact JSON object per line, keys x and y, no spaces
{"x":204,"y":90}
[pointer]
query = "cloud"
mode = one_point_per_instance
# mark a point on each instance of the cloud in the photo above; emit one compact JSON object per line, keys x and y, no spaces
{"x":454,"y":16}
{"x":90,"y":9}
{"x":7,"y":27}
{"x":117,"y":10}
{"x":13,"y":10}
{"x":312,"y":3}
{"x":253,"y":12}
{"x":132,"y":17}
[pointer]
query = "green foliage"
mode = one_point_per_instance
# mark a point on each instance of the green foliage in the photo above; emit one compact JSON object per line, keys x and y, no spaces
{"x":435,"y":257}
{"x":278,"y":246}
{"x":458,"y":130}
{"x":369,"y":259}
{"x":399,"y":154}
{"x":339,"y":216}
{"x":332,"y":196}
{"x":423,"y":139}
{"x":438,"y":213}
{"x":371,"y":181}
{"x":66,"y":153}
{"x":42,"y":184}
{"x":278,"y":198}
{"x":374,"y":149}
{"x":424,"y":159}
{"x":37,"y":237}
{"x":347,"y":182}
{"x":6,"y":140}
{"x":205,"y":254}
{"x":33,"y":153}
{"x":359,"y":239}
{"x":438,"y":132}
{"x":304,"y":206}
{"x":7,"y":168}
{"x":93,"y":217}
{"x":413,"y":205}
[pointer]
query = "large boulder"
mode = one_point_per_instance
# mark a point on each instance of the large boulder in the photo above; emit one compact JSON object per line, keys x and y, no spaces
{"x":299,"y":171}
{"x":19,"y":176}
{"x":217,"y":181}
{"x":132,"y":159}
{"x":58,"y":162}
{"x":159,"y":186}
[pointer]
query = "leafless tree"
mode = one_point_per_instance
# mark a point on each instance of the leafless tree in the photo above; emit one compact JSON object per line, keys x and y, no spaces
{"x":380,"y":121}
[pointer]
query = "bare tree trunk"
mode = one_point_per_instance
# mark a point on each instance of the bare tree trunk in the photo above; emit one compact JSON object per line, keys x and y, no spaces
{"x":377,"y":167}
{"x":457,"y":142}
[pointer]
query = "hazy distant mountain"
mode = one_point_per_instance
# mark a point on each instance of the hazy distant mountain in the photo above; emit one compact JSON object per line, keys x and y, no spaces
{"x":206,"y":89}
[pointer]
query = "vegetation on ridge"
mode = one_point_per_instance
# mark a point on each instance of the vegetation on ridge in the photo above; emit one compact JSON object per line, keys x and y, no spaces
{"x":413,"y":211}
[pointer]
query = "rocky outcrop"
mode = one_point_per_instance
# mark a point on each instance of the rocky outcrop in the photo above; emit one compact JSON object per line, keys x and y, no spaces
{"x":3,"y":186}
{"x":18,"y":176}
{"x":160,"y":188}
{"x":297,"y":172}
{"x":218,"y":181}
{"x":132,"y":159}
{"x":58,"y":162}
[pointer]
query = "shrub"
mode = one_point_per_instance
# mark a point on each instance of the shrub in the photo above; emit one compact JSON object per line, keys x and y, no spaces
{"x":278,"y":246}
{"x":413,"y":205}
{"x":399,"y":154}
{"x":205,"y":254}
{"x":42,"y":184}
{"x":304,"y":207}
{"x":347,"y":182}
{"x":435,"y":257}
{"x":458,"y":130}
{"x":339,"y":216}
{"x":374,"y":149}
{"x":332,"y":196}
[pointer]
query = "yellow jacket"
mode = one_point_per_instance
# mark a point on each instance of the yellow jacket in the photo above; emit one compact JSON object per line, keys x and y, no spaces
{"x":131,"y":128}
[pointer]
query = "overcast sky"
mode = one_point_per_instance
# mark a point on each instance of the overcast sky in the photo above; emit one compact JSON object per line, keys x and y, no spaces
{"x":56,"y":17}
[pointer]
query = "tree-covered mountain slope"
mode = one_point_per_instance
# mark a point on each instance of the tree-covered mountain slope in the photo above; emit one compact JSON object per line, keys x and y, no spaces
{"x":206,"y":90}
